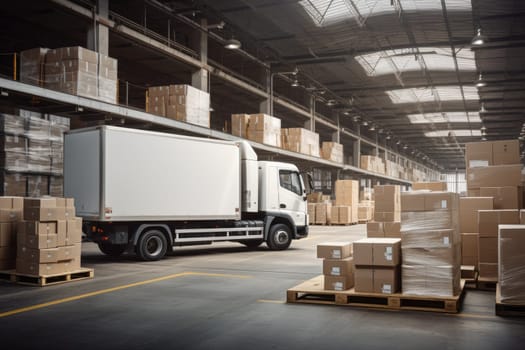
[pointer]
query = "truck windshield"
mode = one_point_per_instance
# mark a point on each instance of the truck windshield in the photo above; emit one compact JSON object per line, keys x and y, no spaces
{"x":290,"y":181}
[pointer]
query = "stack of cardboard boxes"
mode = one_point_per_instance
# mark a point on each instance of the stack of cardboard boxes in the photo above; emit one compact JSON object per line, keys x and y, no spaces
{"x":373,"y":163}
{"x":49,"y":237}
{"x":31,"y":154}
{"x":431,"y":247}
{"x":180,"y":102}
{"x":11,"y":209}
{"x":332,"y":151}
{"x":468,"y":226}
{"x":387,"y":213}
{"x":107,"y":78}
{"x":511,"y":252}
{"x":338,"y":265}
{"x":430,"y":186}
{"x":260,"y":128}
{"x":324,"y":213}
{"x":346,"y":202}
{"x":301,"y":141}
{"x":493,"y":170}
{"x":32,"y":66}
{"x":377,"y":263}
{"x":365,"y":211}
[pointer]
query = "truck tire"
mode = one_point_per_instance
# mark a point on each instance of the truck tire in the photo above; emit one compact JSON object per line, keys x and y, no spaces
{"x":279,"y":237}
{"x":152,"y":245}
{"x":114,"y":250}
{"x":252,"y":243}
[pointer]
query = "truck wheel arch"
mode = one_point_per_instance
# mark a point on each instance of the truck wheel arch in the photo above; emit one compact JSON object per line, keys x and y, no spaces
{"x":144,"y":227}
{"x":279,"y":218}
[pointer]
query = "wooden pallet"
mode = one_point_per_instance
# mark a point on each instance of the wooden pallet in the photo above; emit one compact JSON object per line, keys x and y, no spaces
{"x":488,"y":284}
{"x":46,"y":280}
{"x":313,"y":292}
{"x":506,"y":309}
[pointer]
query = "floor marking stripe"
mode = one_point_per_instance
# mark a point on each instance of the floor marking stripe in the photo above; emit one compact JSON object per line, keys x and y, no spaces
{"x":271,"y":301}
{"x":114,"y":289}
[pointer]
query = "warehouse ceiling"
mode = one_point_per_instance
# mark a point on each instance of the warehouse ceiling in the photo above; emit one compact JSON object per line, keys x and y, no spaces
{"x":406,"y":67}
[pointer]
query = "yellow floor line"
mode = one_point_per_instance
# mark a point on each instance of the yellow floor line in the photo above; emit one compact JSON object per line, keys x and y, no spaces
{"x":114,"y":289}
{"x":271,"y":301}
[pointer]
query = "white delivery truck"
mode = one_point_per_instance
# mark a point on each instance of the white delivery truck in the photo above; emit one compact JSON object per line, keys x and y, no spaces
{"x":153,"y":191}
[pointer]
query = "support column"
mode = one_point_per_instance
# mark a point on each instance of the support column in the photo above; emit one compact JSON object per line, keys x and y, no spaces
{"x":199,"y":78}
{"x":336,"y":135}
{"x":310,"y":124}
{"x":357,"y":148}
{"x":264,"y":106}
{"x":98,"y":34}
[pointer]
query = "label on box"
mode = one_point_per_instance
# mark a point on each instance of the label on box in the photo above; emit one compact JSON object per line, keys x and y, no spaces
{"x":478,"y":163}
{"x":338,"y":285}
{"x":446,"y":241}
{"x":444,"y":204}
{"x":388,"y":253}
{"x":336,"y":254}
{"x":336,"y":271}
{"x":386,"y":288}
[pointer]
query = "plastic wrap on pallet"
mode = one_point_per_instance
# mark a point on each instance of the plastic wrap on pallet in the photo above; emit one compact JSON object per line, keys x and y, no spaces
{"x":433,"y":256}
{"x":494,"y":176}
{"x":511,"y":249}
{"x":429,"y":220}
{"x":442,"y":280}
{"x":37,"y":185}
{"x":13,"y":184}
{"x":423,"y":238}
{"x":32,"y":66}
{"x":56,"y":186}
{"x":107,"y":90}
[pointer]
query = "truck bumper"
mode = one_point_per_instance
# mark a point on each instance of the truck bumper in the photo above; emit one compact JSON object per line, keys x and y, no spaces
{"x":302,"y":232}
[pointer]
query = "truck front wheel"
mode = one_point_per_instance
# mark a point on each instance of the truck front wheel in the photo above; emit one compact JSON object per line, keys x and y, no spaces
{"x":112,"y":249}
{"x":152,"y":245}
{"x":279,"y":237}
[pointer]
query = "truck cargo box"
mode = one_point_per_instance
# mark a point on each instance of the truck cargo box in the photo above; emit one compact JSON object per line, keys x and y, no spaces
{"x":120,"y":174}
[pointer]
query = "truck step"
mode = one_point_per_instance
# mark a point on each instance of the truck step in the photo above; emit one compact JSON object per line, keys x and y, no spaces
{"x":46,"y":280}
{"x":313,"y":292}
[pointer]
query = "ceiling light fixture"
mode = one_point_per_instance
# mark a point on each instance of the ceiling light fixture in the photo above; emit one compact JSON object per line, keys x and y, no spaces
{"x":355,"y":118}
{"x":330,"y":103}
{"x":479,"y":39}
{"x":480,"y":82}
{"x":398,"y":142}
{"x":232,"y":44}
{"x":365,"y":123}
{"x":388,"y":137}
{"x":405,"y":147}
{"x":372,"y":127}
{"x":295,"y":83}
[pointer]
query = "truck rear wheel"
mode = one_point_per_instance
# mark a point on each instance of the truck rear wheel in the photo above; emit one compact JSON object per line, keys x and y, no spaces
{"x":152,"y":245}
{"x":279,"y":237}
{"x":112,"y":249}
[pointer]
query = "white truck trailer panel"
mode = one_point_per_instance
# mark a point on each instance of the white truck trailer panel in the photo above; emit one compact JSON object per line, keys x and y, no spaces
{"x":155,"y":176}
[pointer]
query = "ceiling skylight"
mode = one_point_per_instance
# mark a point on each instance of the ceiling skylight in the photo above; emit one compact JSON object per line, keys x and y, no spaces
{"x":440,"y":93}
{"x":450,"y":117}
{"x":326,"y":12}
{"x":404,"y":60}
{"x":457,"y":133}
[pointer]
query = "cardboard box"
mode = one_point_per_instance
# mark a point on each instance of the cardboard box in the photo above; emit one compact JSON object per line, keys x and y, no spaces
{"x":36,"y":227}
{"x":345,"y":216}
{"x":332,"y":151}
{"x":40,"y":256}
{"x":468,"y":212}
{"x":412,"y":201}
{"x":43,"y":214}
{"x":392,"y":229}
{"x":11,"y":202}
{"x":41,"y":241}
{"x":323,"y":213}
{"x":508,"y":197}
{"x":429,"y":201}
{"x":430,"y":186}
{"x":7,"y":235}
{"x":9,"y":215}
{"x":488,"y":249}
{"x":375,"y":230}
{"x":7,"y":264}
{"x":334,"y":250}
{"x":443,"y":238}
{"x":377,"y":251}
{"x":494,"y":176}
{"x":488,"y":271}
{"x":338,"y":282}
{"x":45,"y":269}
{"x":506,"y":152}
{"x":40,"y":202}
{"x":522,"y":216}
{"x":311,"y":213}
{"x":377,"y":280}
{"x":478,"y":154}
{"x":387,"y":199}
{"x":469,"y":249}
{"x":511,"y":251}
{"x":338,"y":267}
{"x":488,"y":221}
{"x":365,"y":213}
{"x":69,"y":252}
{"x":387,"y":216}
{"x":7,"y":253}
{"x":347,"y":193}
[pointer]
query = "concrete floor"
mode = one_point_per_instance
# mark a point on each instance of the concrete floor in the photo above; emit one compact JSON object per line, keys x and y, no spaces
{"x":227,"y":297}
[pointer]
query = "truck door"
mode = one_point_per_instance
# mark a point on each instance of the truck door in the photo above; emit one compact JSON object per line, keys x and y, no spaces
{"x":292,"y":196}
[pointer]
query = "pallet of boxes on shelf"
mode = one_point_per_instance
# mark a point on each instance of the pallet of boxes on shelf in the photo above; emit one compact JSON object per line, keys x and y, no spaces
{"x":332,"y":151}
{"x":180,"y":102}
{"x":31,"y":153}
{"x":493,"y":171}
{"x":301,"y":141}
{"x":260,"y":128}
{"x":373,"y":164}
